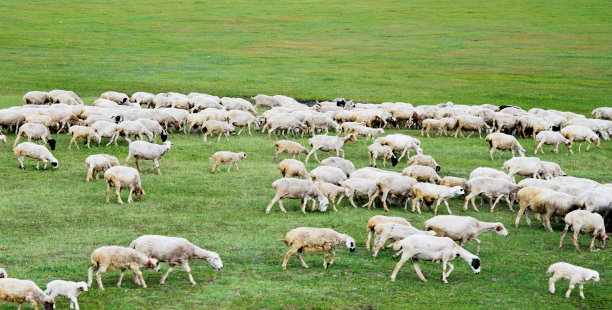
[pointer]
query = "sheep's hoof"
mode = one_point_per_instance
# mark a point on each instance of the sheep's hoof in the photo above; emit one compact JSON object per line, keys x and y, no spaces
{"x":194,"y":283}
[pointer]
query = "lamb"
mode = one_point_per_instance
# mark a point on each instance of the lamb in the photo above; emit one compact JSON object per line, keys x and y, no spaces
{"x":99,"y":163}
{"x":605,"y":113}
{"x":587,"y":222}
{"x":226,"y":157}
{"x":367,"y":132}
{"x":544,"y":200}
{"x":143,"y":98}
{"x":463,"y":228}
{"x":330,"y":191}
{"x":328,"y":174}
{"x":575,"y":274}
{"x":117,"y":97}
{"x":551,"y":138}
{"x":310,"y":239}
{"x":432,"y":248}
{"x":174,"y":250}
{"x":20,"y":291}
{"x":84,"y":132}
{"x":395,"y":232}
{"x":424,"y":160}
{"x":470,"y":122}
{"x":211,"y":127}
{"x":580,"y":133}
{"x":503,"y":142}
{"x":422,"y":173}
{"x":401,"y":143}
{"x":344,"y":164}
{"x":380,"y":219}
{"x":493,"y":188}
{"x":376,"y":150}
{"x":432,"y":192}
{"x":69,"y":289}
{"x":292,"y":168}
{"x":35,"y":97}
{"x":123,"y":177}
{"x":400,"y":187}
{"x":242,"y":119}
{"x":360,"y":187}
{"x":297,"y":189}
{"x":109,"y":258}
{"x":289,"y":147}
{"x":143,"y":150}
{"x":203,"y":101}
{"x":328,"y":144}
{"x":35,"y":151}
{"x":36,"y":132}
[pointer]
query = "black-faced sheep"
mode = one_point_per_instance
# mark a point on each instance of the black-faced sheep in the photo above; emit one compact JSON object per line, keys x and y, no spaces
{"x":35,"y":151}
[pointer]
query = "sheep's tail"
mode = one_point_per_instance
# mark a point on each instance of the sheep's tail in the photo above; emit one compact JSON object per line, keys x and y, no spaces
{"x":285,"y":241}
{"x":133,"y":245}
{"x":550,"y":269}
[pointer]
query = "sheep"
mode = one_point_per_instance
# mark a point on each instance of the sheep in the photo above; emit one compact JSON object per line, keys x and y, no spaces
{"x":35,"y":97}
{"x":99,"y":163}
{"x":297,"y":189}
{"x":470,"y":122}
{"x":143,"y":150}
{"x":265,"y":100}
{"x":285,"y":122}
{"x":605,"y":113}
{"x":400,"y":187}
{"x":524,"y":166}
{"x":322,"y":122}
{"x":344,"y":164}
{"x":143,"y":98}
{"x":330,"y":191}
{"x":493,"y":188}
{"x":587,"y":222}
{"x":575,"y":274}
{"x":422,"y":173}
{"x":489,"y":172}
{"x":348,"y":126}
{"x":536,"y":124}
{"x":84,"y":132}
{"x":20,"y":291}
{"x":328,"y":174}
{"x":463,"y":228}
{"x":580,"y":133}
{"x":503,"y":142}
{"x":372,"y":173}
{"x":174,"y":250}
{"x":310,"y":239}
{"x":69,"y":289}
{"x":550,"y":169}
{"x":117,"y":97}
{"x":596,"y":200}
{"x":128,"y":128}
{"x":43,"y":120}
{"x":293,"y":168}
{"x":56,"y":94}
{"x":240,"y":118}
{"x":238,"y":104}
{"x":395,"y":232}
{"x":380,"y":219}
{"x":359,"y":187}
{"x":328,"y":144}
{"x":36,"y":132}
{"x":11,"y":118}
{"x":401,"y":143}
{"x":440,"y":126}
{"x":424,"y":160}
{"x":506,"y":121}
{"x":226,"y":157}
{"x":376,"y":150}
{"x":109,"y":258}
{"x":153,"y":127}
{"x":289,"y":147}
{"x":35,"y":151}
{"x":367,"y":132}
{"x":203,"y":101}
{"x":211,"y":127}
{"x":551,"y":138}
{"x":105,"y":129}
{"x":544,"y":200}
{"x":435,"y":249}
{"x":450,"y":181}
{"x":432,"y":192}
{"x":123,"y":177}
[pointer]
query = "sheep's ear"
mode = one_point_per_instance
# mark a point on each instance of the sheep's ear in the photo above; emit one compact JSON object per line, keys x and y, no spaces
{"x":457,"y":255}
{"x":498,"y":228}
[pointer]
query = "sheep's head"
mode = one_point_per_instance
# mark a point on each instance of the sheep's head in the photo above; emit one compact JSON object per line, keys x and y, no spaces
{"x":350,"y":243}
{"x":597,"y":141}
{"x":602,"y":240}
{"x":48,"y":303}
{"x":438,"y":168}
{"x":393,"y":159}
{"x":593,"y":276}
{"x":164,"y":135}
{"x":153,"y":263}
{"x":501,"y":230}
{"x":51,"y":144}
{"x":242,"y":155}
{"x":458,"y":190}
{"x":139,"y":192}
{"x":215,"y":261}
{"x":419,"y":151}
{"x":54,"y":163}
{"x":81,"y":286}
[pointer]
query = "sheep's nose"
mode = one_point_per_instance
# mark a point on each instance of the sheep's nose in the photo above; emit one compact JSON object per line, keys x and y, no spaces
{"x":352,"y":249}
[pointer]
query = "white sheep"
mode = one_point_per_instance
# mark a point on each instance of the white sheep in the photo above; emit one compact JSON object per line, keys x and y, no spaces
{"x":36,"y":97}
{"x":401,"y":143}
{"x":143,"y":98}
{"x":34,"y":132}
{"x":292,"y":168}
{"x":289,"y":147}
{"x":174,"y":250}
{"x":297,"y":189}
{"x":422,"y":173}
{"x":123,"y":177}
{"x":211,"y":127}
{"x":226,"y":158}
{"x":109,"y":258}
{"x":69,"y":289}
{"x":432,"y":248}
{"x":338,"y":162}
{"x":348,"y":126}
{"x":35,"y":151}
{"x":360,"y":187}
{"x":330,"y":191}
{"x":265,"y":100}
{"x":367,"y":132}
{"x":379,"y":219}
{"x":524,"y":166}
{"x":489,"y":172}
{"x":575,"y":274}
{"x":603,"y":112}
{"x":432,"y":192}
{"x":580,"y":133}
{"x":20,"y":291}
{"x":400,"y":188}
{"x":550,"y":138}
{"x":586,"y":222}
{"x":463,"y":228}
{"x":328,"y":144}
{"x":242,"y":119}
{"x":450,"y":181}
{"x":470,"y":122}
{"x":83,"y":132}
{"x":310,"y":239}
{"x":322,"y":122}
{"x":424,"y":160}
{"x":143,"y":150}
{"x":284,"y":122}
{"x":376,"y":150}
{"x":503,"y":142}
{"x":154,"y":127}
{"x":99,"y":163}
{"x":546,"y":201}
{"x":394,"y":232}
{"x":492,"y":188}
{"x":440,"y":126}
{"x":328,"y":174}
{"x":105,"y":129}
{"x":128,"y":128}
{"x":117,"y":97}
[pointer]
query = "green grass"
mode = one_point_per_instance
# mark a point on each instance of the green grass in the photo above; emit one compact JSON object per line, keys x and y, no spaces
{"x":531,"y":54}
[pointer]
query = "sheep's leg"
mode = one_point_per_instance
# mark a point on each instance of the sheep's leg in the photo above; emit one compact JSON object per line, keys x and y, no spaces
{"x":509,"y":203}
{"x":418,"y":270}
{"x":163,"y":279}
{"x":465,"y":201}
{"x":186,"y":268}
{"x":569,"y":291}
{"x":350,"y":197}
{"x":368,"y":238}
{"x":20,"y":159}
{"x":303,"y":203}
{"x":137,"y":271}
{"x":436,"y":208}
{"x":579,"y":145}
{"x":120,"y":277}
{"x":415,"y":202}
{"x":99,"y":277}
{"x":478,"y":245}
{"x":214,"y":167}
{"x":70,"y":143}
{"x":226,"y":136}
{"x":405,"y":256}
{"x":444,"y":272}
{"x":137,"y":165}
{"x":314,"y":150}
{"x":447,"y":207}
{"x":118,"y":192}
{"x":299,"y":255}
{"x":379,"y":243}
{"x":240,"y":131}
{"x":502,"y":154}
{"x":546,"y":223}
{"x":383,"y":199}
{"x":278,"y":152}
{"x":563,"y":236}
{"x":472,"y":132}
{"x":371,"y":200}
{"x":131,"y":190}
{"x":581,"y":291}
{"x":495,"y":203}
{"x":88,"y":139}
{"x":450,"y":270}
{"x":276,"y":198}
{"x":539,"y":146}
{"x":325,"y":259}
{"x":73,"y":301}
{"x":89,"y":175}
{"x":575,"y":238}
{"x":589,"y":146}
{"x":518,"y":215}
{"x":90,"y":275}
{"x":331,"y":262}
{"x":157,"y":166}
{"x":291,"y":251}
{"x":107,"y":192}
{"x":592,"y":247}
{"x":402,"y":155}
{"x":45,"y":166}
{"x":205,"y":135}
{"x":237,"y":169}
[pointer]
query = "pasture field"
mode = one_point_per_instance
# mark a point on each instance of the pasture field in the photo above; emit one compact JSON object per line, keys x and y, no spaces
{"x":531,"y":54}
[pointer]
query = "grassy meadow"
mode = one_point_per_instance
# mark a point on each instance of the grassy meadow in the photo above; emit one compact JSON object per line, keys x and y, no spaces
{"x":531,"y":54}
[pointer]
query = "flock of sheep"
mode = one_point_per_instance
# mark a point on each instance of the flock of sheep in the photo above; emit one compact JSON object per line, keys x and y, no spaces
{"x":547,"y":191}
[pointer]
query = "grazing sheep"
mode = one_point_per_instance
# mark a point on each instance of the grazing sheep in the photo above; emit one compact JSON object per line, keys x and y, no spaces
{"x":69,"y":289}
{"x":105,"y":103}
{"x":605,"y":113}
{"x":492,"y":188}
{"x":359,"y":187}
{"x":424,"y":160}
{"x":379,"y":219}
{"x":35,"y":132}
{"x":297,"y":189}
{"x":348,"y":126}
{"x":432,"y":192}
{"x":580,"y":133}
{"x":289,"y":147}
{"x":143,"y":98}
{"x":84,"y":132}
{"x":535,"y":123}
{"x":330,"y":191}
{"x":328,"y":144}
{"x":154,"y":127}
{"x":550,"y":170}
{"x":450,"y":181}
{"x":310,"y":239}
{"x":293,"y":168}
{"x":117,"y":97}
{"x":265,"y":100}
{"x":432,"y":248}
{"x":376,"y":150}
{"x":174,"y":250}
{"x":123,"y":177}
{"x":11,"y":118}
{"x":596,"y":200}
{"x":372,"y":173}
{"x":109,"y":258}
{"x":99,"y":163}
{"x":20,"y":291}
{"x":367,"y":132}
{"x":586,"y":222}
{"x":226,"y":158}
{"x":56,"y":95}
{"x":503,"y":142}
{"x":285,"y":122}
{"x":322,"y":122}
{"x":35,"y":97}
{"x":35,"y":151}
{"x":550,"y":138}
{"x":489,"y":172}
{"x":470,"y":122}
{"x":344,"y":164}
{"x":128,"y":128}
{"x":211,"y":127}
{"x":401,"y":143}
{"x":524,"y":166}
{"x":440,"y":126}
{"x":400,"y":187}
{"x":394,"y":232}
{"x":328,"y":174}
{"x":544,"y":200}
{"x":422,"y":173}
{"x":575,"y":274}
{"x":105,"y":129}
{"x":143,"y":150}
{"x":242,"y":119}
{"x":463,"y":228}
